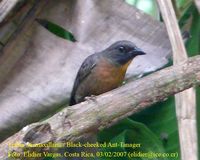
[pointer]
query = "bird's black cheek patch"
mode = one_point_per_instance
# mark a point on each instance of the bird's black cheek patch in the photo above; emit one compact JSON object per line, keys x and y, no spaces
{"x":122,"y":59}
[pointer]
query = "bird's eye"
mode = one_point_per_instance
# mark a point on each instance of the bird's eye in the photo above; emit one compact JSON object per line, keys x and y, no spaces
{"x":122,"y":49}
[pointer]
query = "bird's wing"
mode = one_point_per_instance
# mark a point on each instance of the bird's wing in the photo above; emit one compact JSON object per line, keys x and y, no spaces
{"x":84,"y":71}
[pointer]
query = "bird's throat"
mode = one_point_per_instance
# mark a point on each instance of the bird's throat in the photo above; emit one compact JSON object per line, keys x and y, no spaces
{"x":125,"y":66}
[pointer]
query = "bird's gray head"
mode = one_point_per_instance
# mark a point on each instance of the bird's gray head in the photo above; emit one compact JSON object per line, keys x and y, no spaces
{"x":122,"y":52}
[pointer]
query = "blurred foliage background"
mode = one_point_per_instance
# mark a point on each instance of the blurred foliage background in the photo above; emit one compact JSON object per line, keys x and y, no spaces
{"x":156,"y":127}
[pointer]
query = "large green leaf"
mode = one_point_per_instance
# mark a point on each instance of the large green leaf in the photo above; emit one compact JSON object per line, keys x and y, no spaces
{"x":186,"y":15}
{"x":131,"y":132}
{"x":161,"y":119}
{"x":193,"y":45}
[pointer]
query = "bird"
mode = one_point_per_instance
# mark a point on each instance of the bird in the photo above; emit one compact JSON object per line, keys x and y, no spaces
{"x":103,"y":71}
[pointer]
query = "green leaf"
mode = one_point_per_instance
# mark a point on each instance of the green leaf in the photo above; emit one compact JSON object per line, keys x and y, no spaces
{"x":183,"y":4}
{"x":131,"y":132}
{"x":115,"y":140}
{"x":161,"y":120}
{"x":193,"y":44}
{"x":56,"y":29}
{"x":186,"y":15}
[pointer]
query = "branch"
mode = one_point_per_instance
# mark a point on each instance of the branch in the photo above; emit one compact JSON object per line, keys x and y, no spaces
{"x":86,"y":118}
{"x":185,"y":101}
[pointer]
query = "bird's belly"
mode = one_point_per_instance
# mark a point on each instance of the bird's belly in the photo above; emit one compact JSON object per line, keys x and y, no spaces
{"x":100,"y":81}
{"x":106,"y":81}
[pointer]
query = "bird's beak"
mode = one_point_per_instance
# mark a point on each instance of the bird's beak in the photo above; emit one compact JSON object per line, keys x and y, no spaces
{"x":137,"y":51}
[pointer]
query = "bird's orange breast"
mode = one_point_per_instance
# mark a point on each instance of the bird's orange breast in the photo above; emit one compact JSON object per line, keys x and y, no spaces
{"x":107,"y":76}
{"x":104,"y":77}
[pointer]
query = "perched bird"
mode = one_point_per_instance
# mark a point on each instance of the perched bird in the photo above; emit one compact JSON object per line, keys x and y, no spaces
{"x":103,"y":71}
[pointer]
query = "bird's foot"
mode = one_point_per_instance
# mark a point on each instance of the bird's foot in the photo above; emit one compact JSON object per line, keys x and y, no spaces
{"x":91,"y":98}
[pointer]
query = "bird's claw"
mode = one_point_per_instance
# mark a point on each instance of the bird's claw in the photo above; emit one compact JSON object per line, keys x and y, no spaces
{"x":91,"y":98}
